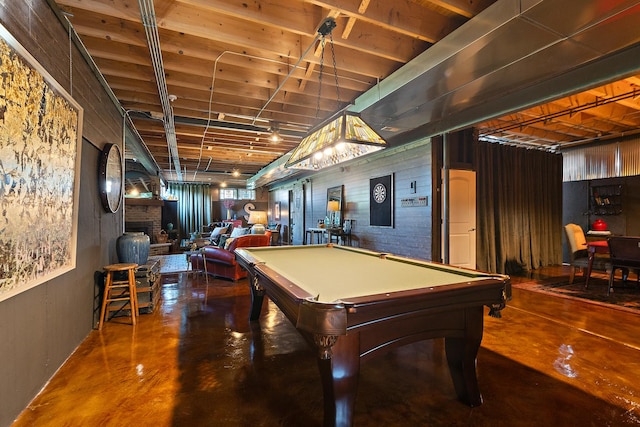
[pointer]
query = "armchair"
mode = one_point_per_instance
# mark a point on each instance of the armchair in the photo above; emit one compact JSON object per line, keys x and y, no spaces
{"x":222,"y":262}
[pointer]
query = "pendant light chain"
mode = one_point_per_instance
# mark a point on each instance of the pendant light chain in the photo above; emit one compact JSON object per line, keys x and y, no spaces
{"x":335,"y":68}
{"x":322,"y":41}
{"x":326,"y":29}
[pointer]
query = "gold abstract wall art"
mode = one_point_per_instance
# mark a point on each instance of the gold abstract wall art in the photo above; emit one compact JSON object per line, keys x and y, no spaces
{"x":40,"y":141}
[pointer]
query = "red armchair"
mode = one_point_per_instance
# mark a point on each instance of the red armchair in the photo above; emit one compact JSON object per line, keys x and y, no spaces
{"x":222,"y":262}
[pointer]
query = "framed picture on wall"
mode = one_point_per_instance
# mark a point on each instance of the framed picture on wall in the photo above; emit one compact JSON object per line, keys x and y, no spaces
{"x":276,"y":211}
{"x":40,"y":142}
{"x":381,"y":201}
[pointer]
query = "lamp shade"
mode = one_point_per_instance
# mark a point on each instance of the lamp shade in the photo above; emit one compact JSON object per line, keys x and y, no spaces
{"x":341,"y":138}
{"x":333,"y":206}
{"x":257,"y":217}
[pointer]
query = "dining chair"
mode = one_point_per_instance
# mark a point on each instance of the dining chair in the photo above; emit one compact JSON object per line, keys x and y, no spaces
{"x":578,"y":254}
{"x":625,"y":255}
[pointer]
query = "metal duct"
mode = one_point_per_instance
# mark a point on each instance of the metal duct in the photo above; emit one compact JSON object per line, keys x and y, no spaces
{"x":148,"y":15}
{"x":513,"y":55}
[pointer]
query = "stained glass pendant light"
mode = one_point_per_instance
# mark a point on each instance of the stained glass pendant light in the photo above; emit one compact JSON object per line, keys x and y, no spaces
{"x":343,"y":136}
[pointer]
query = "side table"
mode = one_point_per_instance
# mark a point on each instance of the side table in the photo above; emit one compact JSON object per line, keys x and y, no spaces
{"x":148,"y":280}
{"x":199,"y":256}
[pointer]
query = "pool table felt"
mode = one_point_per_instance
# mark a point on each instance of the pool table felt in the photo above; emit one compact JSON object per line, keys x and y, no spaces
{"x":337,"y":274}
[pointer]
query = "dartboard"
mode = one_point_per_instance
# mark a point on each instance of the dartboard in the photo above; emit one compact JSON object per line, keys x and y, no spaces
{"x":379,"y":193}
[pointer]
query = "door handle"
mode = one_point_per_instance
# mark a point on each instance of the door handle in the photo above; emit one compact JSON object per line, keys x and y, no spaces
{"x":473,"y":229}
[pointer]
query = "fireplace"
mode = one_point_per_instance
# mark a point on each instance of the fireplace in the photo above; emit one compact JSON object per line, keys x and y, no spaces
{"x":144,"y":226}
{"x":143,"y":215}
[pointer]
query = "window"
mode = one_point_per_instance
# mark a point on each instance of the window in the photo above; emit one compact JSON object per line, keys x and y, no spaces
{"x":244,"y":194}
{"x":228,"y":193}
{"x":237,"y":194}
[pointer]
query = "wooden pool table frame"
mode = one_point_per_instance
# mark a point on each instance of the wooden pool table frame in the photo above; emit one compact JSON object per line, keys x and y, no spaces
{"x":346,"y":333}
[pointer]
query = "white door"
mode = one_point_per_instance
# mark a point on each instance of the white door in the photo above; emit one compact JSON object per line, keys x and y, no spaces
{"x":296,"y":214}
{"x":462,"y":218}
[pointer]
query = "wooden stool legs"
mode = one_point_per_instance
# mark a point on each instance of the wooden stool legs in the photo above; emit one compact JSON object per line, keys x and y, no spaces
{"x":129,"y":294}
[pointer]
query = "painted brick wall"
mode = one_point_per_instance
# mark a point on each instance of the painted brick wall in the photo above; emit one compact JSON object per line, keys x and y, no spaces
{"x":412,"y":230}
{"x":411,"y":233}
{"x":41,"y":327}
{"x":145,"y":213}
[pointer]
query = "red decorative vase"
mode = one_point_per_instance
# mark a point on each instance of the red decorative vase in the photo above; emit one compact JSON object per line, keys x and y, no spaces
{"x":599,"y":225}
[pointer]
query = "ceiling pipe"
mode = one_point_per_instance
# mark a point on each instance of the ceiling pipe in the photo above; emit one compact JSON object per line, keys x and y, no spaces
{"x":148,"y":16}
{"x":139,"y":146}
{"x":217,"y":124}
{"x":211,"y":123}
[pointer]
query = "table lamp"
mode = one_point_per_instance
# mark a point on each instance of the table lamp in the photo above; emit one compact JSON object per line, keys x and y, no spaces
{"x":258,"y":219}
{"x":333,"y":206}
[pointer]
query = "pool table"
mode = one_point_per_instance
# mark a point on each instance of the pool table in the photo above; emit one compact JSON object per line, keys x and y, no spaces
{"x":353,"y":304}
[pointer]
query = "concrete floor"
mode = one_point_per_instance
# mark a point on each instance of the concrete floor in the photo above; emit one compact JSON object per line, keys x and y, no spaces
{"x":198,"y":361}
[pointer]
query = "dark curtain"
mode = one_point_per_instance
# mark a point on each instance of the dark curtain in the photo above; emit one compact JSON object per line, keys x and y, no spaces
{"x":519,"y":208}
{"x":194,"y":206}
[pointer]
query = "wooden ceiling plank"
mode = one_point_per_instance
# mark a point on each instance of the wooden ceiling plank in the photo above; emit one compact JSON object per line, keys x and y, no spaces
{"x":362,"y":8}
{"x":238,"y":66}
{"x":291,"y":118}
{"x":178,"y":39}
{"x":566,"y":109}
{"x":300,"y":105}
{"x":276,"y":39}
{"x":219,"y":137}
{"x":566,"y":127}
{"x":348,"y":27}
{"x":122,"y":9}
{"x":299,"y":17}
{"x":364,"y":4}
{"x":627,"y":94}
{"x":610,"y":111}
{"x":307,"y":75}
{"x":407,"y":18}
{"x":121,"y":70}
{"x":302,"y":19}
{"x":465,"y":8}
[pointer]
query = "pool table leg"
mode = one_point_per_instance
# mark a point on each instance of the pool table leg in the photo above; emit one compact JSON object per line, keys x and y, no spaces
{"x":339,"y":376}
{"x":461,"y":356}
{"x":257,"y":297}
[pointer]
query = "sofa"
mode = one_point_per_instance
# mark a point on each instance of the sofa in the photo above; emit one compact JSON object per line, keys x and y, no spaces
{"x":213,"y":231}
{"x":221,"y":262}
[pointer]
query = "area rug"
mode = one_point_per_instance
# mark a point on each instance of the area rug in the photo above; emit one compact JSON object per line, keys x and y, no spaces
{"x":625,"y":295}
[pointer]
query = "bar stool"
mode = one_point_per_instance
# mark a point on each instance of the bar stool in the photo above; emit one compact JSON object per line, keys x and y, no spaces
{"x":129,"y":294}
